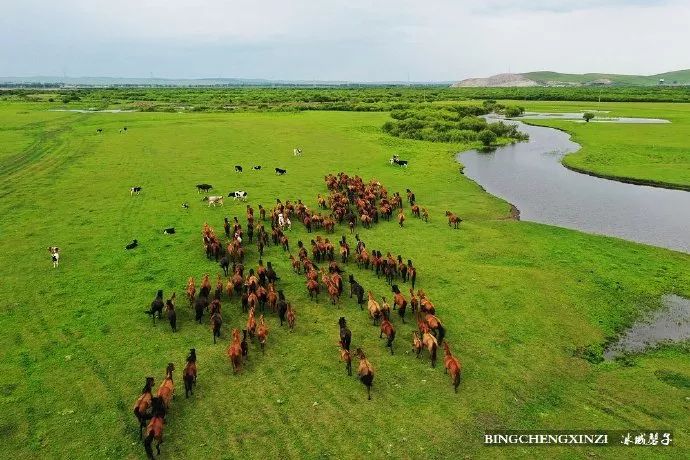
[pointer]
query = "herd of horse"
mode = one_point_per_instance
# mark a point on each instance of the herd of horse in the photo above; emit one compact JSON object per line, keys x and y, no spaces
{"x":350,"y":201}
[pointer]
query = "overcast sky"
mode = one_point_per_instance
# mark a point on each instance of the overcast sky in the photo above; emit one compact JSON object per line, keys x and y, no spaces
{"x":357,"y":40}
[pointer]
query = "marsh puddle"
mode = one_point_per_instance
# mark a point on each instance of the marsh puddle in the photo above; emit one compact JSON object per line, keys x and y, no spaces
{"x":92,"y":110}
{"x":577,"y":117}
{"x":671,"y":323}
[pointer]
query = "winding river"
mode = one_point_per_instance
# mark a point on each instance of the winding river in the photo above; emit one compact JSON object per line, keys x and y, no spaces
{"x":531,"y":177}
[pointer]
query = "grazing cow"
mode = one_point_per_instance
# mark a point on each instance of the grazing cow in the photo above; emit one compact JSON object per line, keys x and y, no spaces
{"x":169,"y":231}
{"x":256,"y":168}
{"x":395,"y":160}
{"x":280,"y":171}
{"x":213,"y":200}
{"x":185,"y":205}
{"x":54,"y":255}
{"x":297,"y":151}
{"x":203,"y":188}
{"x":99,"y":130}
{"x":132,"y":245}
{"x":238,"y":168}
{"x":135,"y":190}
{"x":238,"y":195}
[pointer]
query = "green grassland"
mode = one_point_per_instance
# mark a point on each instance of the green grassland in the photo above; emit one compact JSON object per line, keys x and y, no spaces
{"x":522,"y":302}
{"x":654,"y":154}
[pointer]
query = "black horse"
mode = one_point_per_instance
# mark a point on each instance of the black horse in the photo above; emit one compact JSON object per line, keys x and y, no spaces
{"x":156,"y":306}
{"x":345,"y":333}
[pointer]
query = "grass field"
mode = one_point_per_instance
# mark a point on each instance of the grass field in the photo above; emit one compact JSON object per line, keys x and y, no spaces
{"x":520,"y":301}
{"x":655,"y":154}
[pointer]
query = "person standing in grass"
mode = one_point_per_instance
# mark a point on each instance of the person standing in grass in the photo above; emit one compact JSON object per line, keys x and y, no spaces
{"x":54,"y":255}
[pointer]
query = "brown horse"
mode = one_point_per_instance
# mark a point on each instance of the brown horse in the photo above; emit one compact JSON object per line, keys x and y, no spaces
{"x":414,"y":302}
{"x":251,"y":323}
{"x":365,"y":371}
{"x":167,"y":389}
{"x":415,"y":211}
{"x":453,"y":366}
{"x":388,"y":329}
{"x":142,"y":407}
{"x":416,"y":344}
{"x":436,"y":326}
{"x":290,"y":317}
{"x":216,"y":323}
{"x":189,"y":373}
{"x":191,"y":290}
{"x":401,"y":218}
{"x":154,"y":430}
{"x":429,"y":341}
{"x":235,"y":351}
{"x":170,"y":311}
{"x":453,"y":220}
{"x":425,"y":215}
{"x":272,"y":298}
{"x":374,"y":308}
{"x":346,"y":358}
{"x":229,"y":288}
{"x":313,"y":288}
{"x":400,"y":303}
{"x":262,"y":332}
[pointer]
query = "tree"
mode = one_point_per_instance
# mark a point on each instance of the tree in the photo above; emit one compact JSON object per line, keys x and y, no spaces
{"x":587,"y":116}
{"x":487,"y":137}
{"x":513,"y":111}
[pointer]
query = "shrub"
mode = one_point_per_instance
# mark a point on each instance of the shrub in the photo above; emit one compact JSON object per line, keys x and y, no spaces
{"x":487,"y":137}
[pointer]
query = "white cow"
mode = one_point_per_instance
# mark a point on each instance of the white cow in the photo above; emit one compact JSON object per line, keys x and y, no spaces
{"x":214,"y":200}
{"x":297,"y":151}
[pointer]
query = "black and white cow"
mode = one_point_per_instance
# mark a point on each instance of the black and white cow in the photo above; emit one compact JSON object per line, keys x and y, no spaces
{"x":395,"y":160}
{"x":238,"y":168}
{"x":99,"y":130}
{"x":256,"y":168}
{"x":132,"y":245}
{"x":185,"y":205}
{"x":238,"y":195}
{"x":280,"y":172}
{"x":203,"y":188}
{"x":169,"y":231}
{"x":297,"y":151}
{"x":135,"y":190}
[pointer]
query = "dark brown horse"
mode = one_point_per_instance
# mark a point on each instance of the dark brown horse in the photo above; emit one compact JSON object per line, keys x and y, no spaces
{"x":142,"y":407}
{"x":365,"y":371}
{"x":388,"y":329}
{"x":154,"y":430}
{"x":189,"y":373}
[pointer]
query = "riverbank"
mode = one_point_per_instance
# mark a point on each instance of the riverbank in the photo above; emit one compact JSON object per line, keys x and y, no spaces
{"x":657,"y":155}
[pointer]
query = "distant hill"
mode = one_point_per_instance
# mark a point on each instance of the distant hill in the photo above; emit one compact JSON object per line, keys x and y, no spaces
{"x":548,"y":78}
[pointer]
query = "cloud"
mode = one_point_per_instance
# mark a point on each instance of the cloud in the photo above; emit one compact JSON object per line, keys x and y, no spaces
{"x":342,"y":40}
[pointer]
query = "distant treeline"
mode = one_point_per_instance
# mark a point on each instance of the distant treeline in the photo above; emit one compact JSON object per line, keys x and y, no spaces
{"x":336,"y":98}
